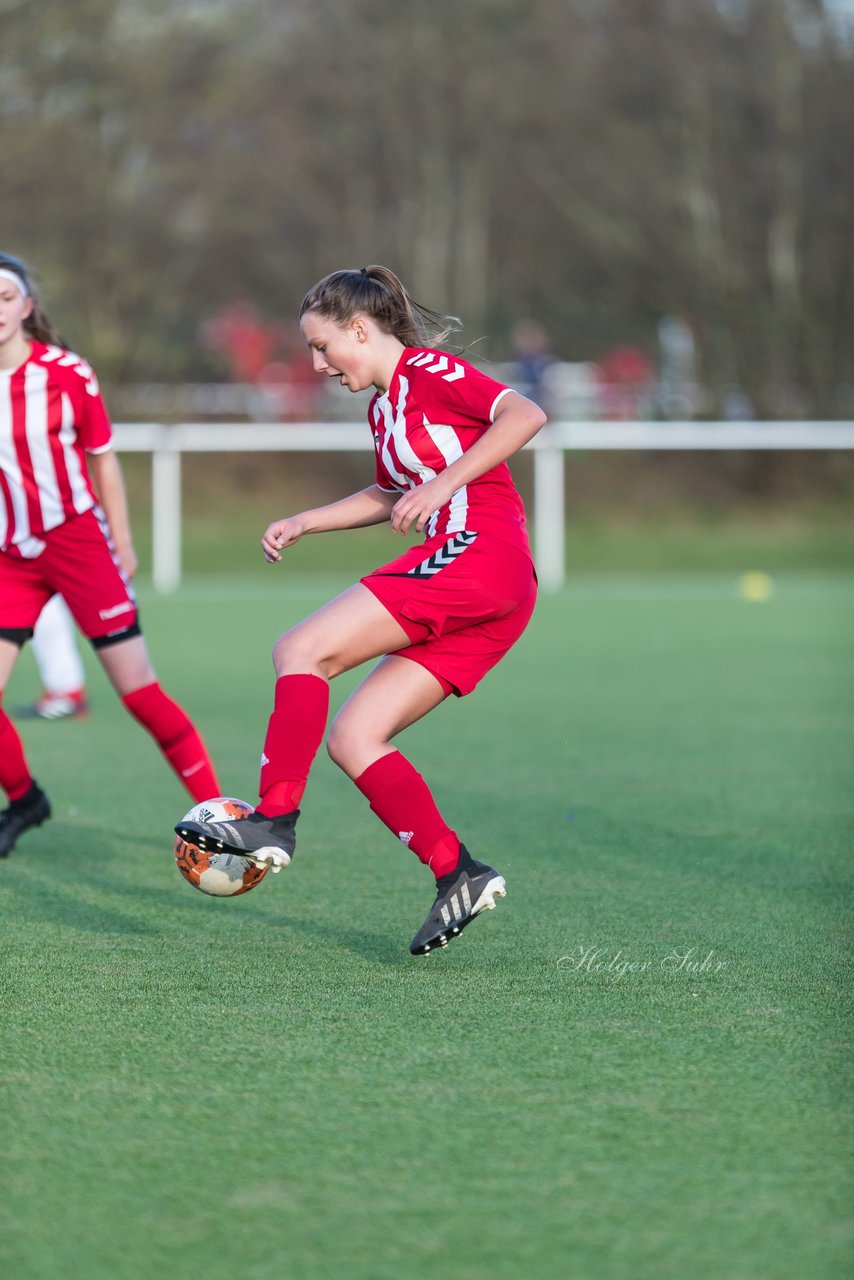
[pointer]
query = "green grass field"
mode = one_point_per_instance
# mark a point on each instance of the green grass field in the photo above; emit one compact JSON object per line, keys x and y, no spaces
{"x":634,"y":1069}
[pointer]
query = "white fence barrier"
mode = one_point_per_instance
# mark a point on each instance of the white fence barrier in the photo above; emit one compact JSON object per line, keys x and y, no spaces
{"x":167,"y":444}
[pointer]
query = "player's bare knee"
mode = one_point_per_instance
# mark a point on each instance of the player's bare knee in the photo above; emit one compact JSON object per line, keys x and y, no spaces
{"x":346,"y":746}
{"x":288,"y":653}
{"x":295,"y":653}
{"x":337,"y":744}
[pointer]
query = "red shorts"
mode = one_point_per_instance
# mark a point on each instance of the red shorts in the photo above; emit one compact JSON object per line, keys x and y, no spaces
{"x":78,"y":562}
{"x":463,"y":600}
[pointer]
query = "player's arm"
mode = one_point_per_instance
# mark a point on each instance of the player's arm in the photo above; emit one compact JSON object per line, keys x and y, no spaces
{"x":369,"y":506}
{"x":109,"y":482}
{"x":517,"y":420}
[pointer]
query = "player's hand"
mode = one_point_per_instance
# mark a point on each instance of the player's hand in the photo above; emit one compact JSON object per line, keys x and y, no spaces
{"x":279,"y":535}
{"x":128,"y":561}
{"x":417,"y":505}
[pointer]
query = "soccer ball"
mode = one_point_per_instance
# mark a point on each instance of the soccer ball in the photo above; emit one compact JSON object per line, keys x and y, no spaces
{"x":223,"y":875}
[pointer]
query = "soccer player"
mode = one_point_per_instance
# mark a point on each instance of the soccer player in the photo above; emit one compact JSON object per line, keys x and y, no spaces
{"x":443,"y":613}
{"x":55,"y":537}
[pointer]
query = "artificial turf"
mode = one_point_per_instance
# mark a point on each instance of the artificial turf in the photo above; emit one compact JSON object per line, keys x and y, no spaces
{"x":634,"y":1069}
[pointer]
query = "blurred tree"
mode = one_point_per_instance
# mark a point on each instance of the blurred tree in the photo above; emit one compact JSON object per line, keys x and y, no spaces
{"x":597,"y":164}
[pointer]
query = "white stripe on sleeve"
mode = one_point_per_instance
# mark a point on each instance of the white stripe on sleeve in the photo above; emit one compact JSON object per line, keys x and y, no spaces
{"x":500,"y":396}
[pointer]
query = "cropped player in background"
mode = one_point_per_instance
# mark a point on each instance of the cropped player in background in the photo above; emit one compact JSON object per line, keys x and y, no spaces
{"x":54,"y":537}
{"x":60,"y":666}
{"x":443,"y":613}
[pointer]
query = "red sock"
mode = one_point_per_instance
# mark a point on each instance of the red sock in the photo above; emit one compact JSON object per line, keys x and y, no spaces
{"x":294,"y":733}
{"x":401,"y":799}
{"x":177,"y":737}
{"x":15,"y":776}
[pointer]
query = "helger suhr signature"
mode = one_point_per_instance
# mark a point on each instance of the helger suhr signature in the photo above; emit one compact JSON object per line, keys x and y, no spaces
{"x":685,"y":960}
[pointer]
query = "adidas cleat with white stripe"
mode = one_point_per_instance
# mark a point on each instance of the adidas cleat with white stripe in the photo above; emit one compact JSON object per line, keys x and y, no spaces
{"x":470,"y":888}
{"x":268,"y":842}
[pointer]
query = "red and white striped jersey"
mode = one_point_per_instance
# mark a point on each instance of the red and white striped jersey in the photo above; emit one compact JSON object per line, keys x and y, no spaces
{"x":51,"y":414}
{"x":435,"y":408}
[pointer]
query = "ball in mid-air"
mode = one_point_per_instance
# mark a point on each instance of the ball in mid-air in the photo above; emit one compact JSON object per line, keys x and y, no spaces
{"x":222,"y":875}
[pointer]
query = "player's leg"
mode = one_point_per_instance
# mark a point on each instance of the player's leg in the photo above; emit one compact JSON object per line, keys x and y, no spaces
{"x":349,"y":630}
{"x":21,"y":599}
{"x":128,"y":666}
{"x":463,"y":644}
{"x":9,"y":649}
{"x":396,"y":694}
{"x":60,"y":667}
{"x":83,"y":566}
{"x":346,"y":632}
{"x":15,"y":777}
{"x":343,"y":634}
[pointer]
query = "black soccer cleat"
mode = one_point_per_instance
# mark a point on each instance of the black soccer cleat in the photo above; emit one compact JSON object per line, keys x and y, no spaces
{"x":30,"y":810}
{"x":462,"y":894}
{"x":268,"y":842}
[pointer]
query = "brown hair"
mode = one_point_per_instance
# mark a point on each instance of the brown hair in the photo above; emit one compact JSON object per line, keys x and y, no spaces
{"x":37,"y":324}
{"x":377,"y":292}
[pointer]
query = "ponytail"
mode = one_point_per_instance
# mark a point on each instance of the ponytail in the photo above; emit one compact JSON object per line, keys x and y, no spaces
{"x":377,"y":292}
{"x":37,"y":324}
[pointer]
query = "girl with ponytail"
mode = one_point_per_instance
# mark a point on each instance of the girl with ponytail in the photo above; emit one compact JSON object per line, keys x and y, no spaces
{"x":439,"y":616}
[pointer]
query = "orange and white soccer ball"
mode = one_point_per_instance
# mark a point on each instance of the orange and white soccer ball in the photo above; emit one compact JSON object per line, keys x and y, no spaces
{"x":223,"y":875}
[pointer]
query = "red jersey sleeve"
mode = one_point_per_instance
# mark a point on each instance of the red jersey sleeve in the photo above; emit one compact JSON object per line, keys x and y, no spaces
{"x":93,"y":422}
{"x":451,"y":390}
{"x":79,"y":382}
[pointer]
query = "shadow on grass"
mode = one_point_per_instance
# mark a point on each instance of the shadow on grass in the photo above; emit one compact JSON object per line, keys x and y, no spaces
{"x":43,"y":893}
{"x":377,"y":948}
{"x":46,"y":891}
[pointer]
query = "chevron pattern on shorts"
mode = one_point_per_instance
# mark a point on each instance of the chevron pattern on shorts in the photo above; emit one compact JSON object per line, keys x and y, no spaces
{"x":444,"y":556}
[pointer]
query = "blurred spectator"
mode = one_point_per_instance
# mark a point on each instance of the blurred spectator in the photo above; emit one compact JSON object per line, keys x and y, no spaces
{"x":533,"y":357}
{"x":678,"y":393}
{"x":267,"y":358}
{"x":626,"y":379}
{"x":246,"y":341}
{"x":289,"y":387}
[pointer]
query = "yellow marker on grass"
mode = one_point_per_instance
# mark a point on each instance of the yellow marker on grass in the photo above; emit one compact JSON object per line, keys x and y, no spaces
{"x":755,"y":586}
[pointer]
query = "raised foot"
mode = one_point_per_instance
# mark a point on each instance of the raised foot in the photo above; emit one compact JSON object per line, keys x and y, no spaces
{"x":267,"y":842}
{"x":275,"y":859}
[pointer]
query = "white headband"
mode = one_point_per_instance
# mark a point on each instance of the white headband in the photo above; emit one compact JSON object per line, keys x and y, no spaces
{"x":6,"y":273}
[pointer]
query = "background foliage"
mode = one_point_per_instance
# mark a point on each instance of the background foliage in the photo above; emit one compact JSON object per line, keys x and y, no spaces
{"x":596,"y":163}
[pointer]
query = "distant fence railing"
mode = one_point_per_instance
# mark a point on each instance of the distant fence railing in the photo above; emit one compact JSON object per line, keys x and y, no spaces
{"x":168,"y":444}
